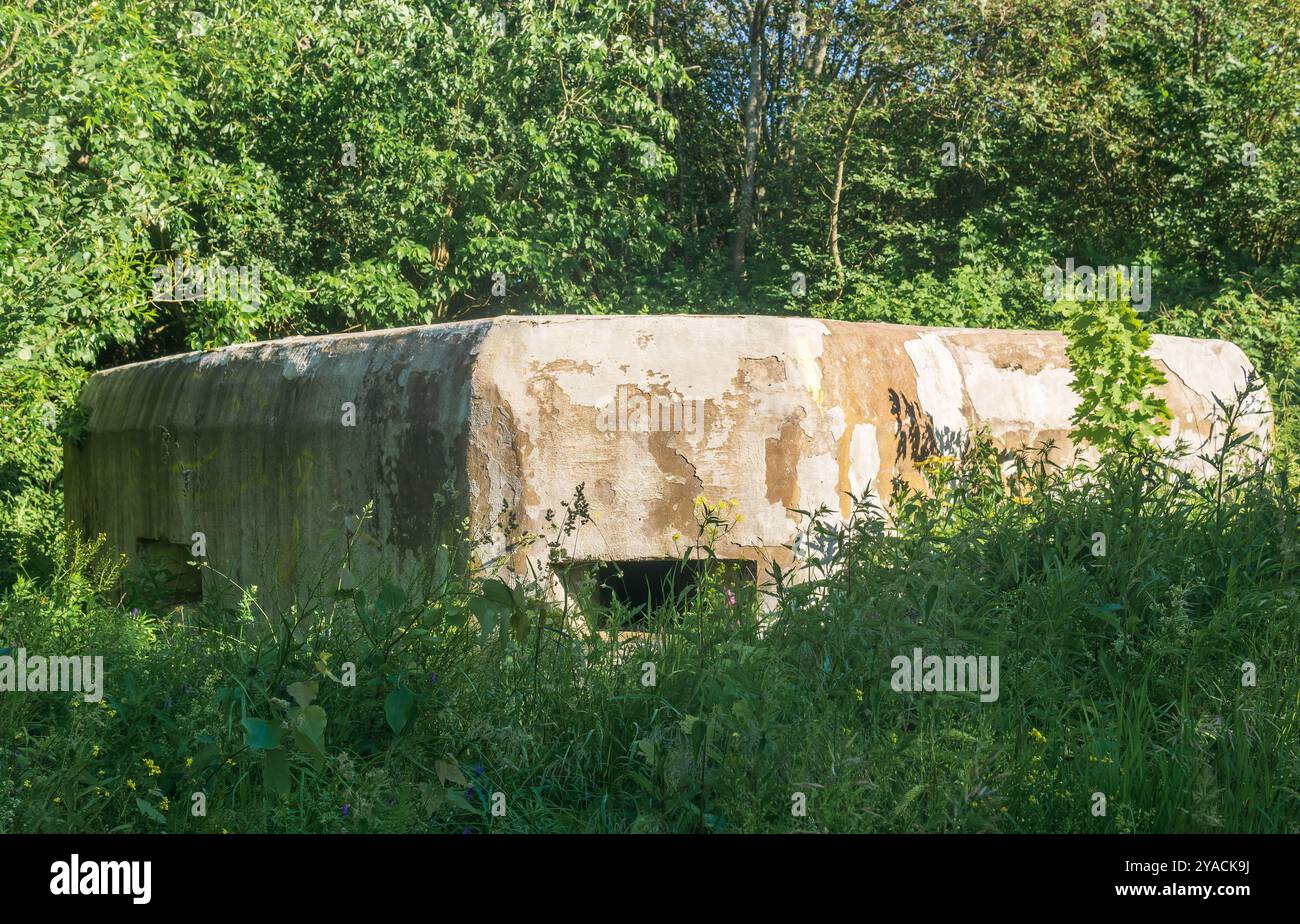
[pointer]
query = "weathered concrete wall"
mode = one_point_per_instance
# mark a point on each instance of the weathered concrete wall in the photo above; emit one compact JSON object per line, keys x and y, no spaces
{"x":246,"y":443}
{"x":248,"y":446}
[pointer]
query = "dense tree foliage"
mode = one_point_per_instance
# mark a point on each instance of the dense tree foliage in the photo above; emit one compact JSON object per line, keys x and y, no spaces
{"x":383,"y":163}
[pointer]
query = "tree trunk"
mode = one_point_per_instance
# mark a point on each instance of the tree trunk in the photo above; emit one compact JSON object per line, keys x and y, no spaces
{"x":837,"y":192}
{"x":752,"y":116}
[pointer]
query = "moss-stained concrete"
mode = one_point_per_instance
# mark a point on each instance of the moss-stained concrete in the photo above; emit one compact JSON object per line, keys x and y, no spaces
{"x":247,"y":444}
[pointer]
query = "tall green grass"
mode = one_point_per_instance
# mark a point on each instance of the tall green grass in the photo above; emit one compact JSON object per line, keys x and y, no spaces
{"x":1120,"y":674}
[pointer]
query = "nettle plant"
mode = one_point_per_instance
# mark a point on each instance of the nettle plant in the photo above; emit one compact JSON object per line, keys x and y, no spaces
{"x":1113,"y":376}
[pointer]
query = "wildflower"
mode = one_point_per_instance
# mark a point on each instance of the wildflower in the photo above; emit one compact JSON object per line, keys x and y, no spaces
{"x":731,"y":598}
{"x":153,"y":768}
{"x":189,"y":761}
{"x":478,"y":769}
{"x":1022,"y":501}
{"x":739,"y":517}
{"x":470,"y":793}
{"x":130,"y":784}
{"x":346,"y":810}
{"x":165,"y":804}
{"x":27,"y":784}
{"x":676,"y":537}
{"x":433,"y":677}
{"x":1037,"y":736}
{"x":57,"y":800}
{"x":112,"y":713}
{"x":937,"y":461}
{"x":95,"y":750}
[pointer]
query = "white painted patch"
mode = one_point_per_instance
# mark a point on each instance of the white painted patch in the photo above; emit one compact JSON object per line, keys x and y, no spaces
{"x":1216,"y":367}
{"x":1011,"y":399}
{"x":938,"y":382}
{"x":835,"y":417}
{"x":819,"y":481}
{"x":864,"y":459}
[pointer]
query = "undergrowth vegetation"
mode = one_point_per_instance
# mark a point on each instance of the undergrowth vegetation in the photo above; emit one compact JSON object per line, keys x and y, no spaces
{"x":1163,"y":674}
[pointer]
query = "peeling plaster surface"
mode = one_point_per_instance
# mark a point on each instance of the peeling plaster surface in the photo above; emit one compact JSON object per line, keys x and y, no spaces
{"x":246,"y":443}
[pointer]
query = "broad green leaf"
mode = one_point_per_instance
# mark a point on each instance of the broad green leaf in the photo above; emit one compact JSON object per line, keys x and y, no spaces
{"x":261,"y":734}
{"x":398,"y":707}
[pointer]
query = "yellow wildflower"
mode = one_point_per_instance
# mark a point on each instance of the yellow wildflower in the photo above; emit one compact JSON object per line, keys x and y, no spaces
{"x":130,"y":784}
{"x":937,"y":461}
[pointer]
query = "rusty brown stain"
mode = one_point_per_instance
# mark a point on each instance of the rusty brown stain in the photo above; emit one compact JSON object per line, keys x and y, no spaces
{"x":568,"y":365}
{"x":781,"y":458}
{"x":864,"y":371}
{"x":675,"y":509}
{"x":1007,"y":349}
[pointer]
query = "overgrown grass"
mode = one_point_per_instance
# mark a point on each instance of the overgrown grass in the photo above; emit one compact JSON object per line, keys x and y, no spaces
{"x":1120,"y":674}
